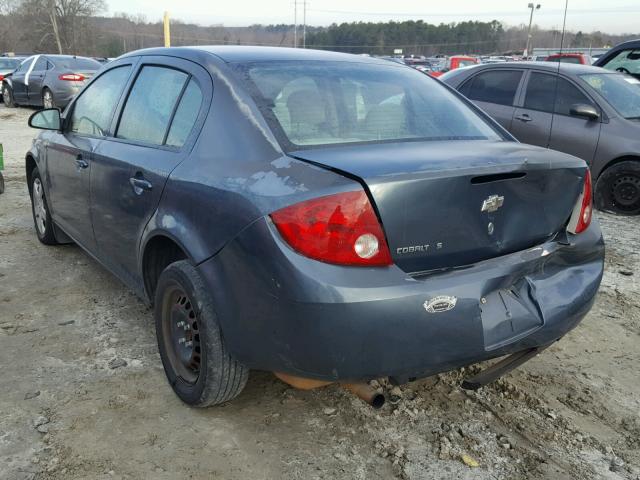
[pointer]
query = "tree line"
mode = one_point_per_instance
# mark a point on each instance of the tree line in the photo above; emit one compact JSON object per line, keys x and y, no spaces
{"x":79,"y":27}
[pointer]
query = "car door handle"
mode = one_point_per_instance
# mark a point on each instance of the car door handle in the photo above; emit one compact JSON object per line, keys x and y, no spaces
{"x":81,"y":163}
{"x":140,"y":185}
{"x":524,"y":118}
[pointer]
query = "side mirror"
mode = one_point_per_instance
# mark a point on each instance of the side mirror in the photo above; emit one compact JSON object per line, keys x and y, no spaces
{"x":583,"y":110}
{"x":47,"y":119}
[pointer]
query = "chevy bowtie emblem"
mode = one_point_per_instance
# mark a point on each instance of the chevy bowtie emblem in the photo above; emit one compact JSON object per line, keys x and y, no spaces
{"x":491,"y":204}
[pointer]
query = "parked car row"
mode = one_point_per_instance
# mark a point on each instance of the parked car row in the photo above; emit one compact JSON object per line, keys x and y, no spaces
{"x":582,"y":110}
{"x":47,"y":80}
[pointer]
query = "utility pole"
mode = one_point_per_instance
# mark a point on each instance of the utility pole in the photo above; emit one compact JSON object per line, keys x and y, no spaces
{"x":295,"y":23}
{"x":529,"y":43}
{"x":304,"y":24}
{"x":54,"y":24}
{"x":167,"y":30}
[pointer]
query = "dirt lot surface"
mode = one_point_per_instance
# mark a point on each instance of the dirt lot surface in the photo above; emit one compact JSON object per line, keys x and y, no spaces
{"x":83,"y":394}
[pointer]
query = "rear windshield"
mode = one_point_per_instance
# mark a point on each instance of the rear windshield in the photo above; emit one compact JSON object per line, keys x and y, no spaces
{"x":321,"y":103}
{"x":9,"y":63}
{"x":77,"y":63}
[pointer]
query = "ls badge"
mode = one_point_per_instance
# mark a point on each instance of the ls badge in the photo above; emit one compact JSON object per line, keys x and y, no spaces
{"x":442,"y":303}
{"x":493,"y":203}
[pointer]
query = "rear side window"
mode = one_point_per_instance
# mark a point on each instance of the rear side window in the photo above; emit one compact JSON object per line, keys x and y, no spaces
{"x":541,"y":94}
{"x":497,"y":86}
{"x":93,"y":110}
{"x":185,"y":116}
{"x":150,"y":105}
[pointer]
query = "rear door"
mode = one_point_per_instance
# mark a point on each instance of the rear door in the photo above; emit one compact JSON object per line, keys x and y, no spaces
{"x":494,"y":91}
{"x":156,"y":130}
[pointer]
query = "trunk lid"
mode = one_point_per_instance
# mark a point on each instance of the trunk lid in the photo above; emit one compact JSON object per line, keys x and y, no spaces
{"x":451,"y":204}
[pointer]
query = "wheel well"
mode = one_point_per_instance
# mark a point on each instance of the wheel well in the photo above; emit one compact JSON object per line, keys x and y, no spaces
{"x":159,"y":253}
{"x":618,"y":160}
{"x":30,"y":165}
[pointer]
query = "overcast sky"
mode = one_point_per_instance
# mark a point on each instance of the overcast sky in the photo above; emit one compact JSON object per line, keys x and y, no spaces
{"x":614,"y":16}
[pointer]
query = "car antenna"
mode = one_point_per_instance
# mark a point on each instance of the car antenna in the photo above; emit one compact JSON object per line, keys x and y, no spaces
{"x":555,"y":93}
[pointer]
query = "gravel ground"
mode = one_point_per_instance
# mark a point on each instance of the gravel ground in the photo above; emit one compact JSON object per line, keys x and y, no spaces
{"x":83,"y":394}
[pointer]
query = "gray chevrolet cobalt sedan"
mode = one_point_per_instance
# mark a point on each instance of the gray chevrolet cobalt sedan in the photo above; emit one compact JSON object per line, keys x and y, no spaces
{"x":582,"y":110}
{"x":323,"y":216}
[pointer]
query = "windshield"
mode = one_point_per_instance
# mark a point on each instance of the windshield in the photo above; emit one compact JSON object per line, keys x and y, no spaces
{"x":9,"y":63}
{"x":466,"y":63}
{"x":621,"y":91}
{"x":321,"y":103}
{"x":627,"y":61}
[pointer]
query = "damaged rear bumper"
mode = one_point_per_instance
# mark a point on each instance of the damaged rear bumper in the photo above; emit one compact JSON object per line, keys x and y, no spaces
{"x":283,"y":312}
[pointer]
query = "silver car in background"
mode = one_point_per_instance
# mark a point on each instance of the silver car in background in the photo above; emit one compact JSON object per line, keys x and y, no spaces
{"x":582,"y":110}
{"x":47,"y":80}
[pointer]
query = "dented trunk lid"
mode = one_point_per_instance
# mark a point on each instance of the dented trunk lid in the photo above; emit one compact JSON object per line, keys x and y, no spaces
{"x":448,"y":204}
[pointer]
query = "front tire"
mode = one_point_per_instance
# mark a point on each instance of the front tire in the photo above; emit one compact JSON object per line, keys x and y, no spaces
{"x":618,"y":189}
{"x":45,"y":229}
{"x":7,"y":96}
{"x":47,"y":98}
{"x":195,"y":359}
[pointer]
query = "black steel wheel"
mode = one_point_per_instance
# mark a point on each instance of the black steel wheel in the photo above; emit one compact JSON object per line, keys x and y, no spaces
{"x":618,"y":189}
{"x":195,"y":359}
{"x":43,"y":223}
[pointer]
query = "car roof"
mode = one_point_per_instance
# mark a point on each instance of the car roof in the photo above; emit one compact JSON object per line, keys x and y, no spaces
{"x":566,"y":68}
{"x":247,"y":54}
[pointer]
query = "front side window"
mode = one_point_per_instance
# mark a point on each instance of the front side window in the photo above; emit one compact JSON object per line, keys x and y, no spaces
{"x":150,"y":105}
{"x":93,"y":110}
{"x":549,"y":93}
{"x":497,"y":86}
{"x":24,"y":66}
{"x":315,"y":103}
{"x":621,"y":91}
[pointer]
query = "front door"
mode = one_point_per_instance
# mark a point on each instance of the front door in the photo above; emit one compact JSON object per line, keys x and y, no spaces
{"x":19,"y":80}
{"x":70,"y":157}
{"x":130,"y":169}
{"x":36,"y":79}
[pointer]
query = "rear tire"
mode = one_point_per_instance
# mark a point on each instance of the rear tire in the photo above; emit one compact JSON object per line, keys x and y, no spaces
{"x":45,"y":230}
{"x":7,"y":96}
{"x":47,"y":98}
{"x":195,"y":359}
{"x":1,"y":183}
{"x":618,"y":189}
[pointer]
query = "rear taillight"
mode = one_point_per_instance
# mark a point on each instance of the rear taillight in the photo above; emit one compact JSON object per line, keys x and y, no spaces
{"x":72,"y":77}
{"x":1,"y":77}
{"x":581,"y":216}
{"x":342,"y":229}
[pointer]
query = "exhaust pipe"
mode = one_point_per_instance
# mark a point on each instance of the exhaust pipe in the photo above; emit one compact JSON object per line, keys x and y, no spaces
{"x":362,"y":390}
{"x":366,"y":393}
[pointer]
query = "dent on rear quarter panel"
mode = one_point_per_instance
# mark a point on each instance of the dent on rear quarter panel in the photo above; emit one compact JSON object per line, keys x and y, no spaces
{"x":236,"y":173}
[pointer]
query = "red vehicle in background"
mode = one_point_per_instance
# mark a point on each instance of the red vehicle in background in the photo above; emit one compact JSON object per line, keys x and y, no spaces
{"x":457,"y":61}
{"x":578,"y":58}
